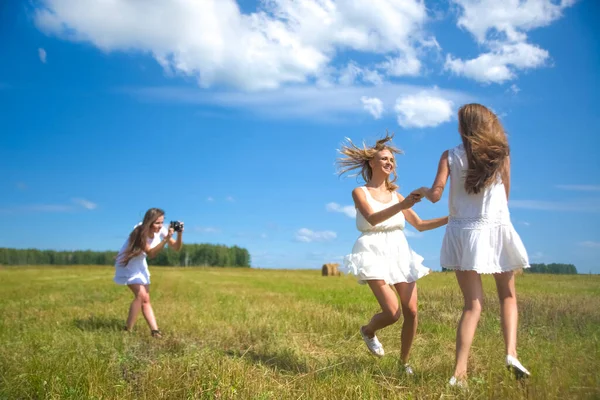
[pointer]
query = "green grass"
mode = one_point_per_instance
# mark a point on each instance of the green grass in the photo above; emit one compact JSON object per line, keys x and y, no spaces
{"x":260,"y":334}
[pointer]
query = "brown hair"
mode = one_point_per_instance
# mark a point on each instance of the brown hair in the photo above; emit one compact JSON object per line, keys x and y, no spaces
{"x":139,"y":235}
{"x":357,"y":157}
{"x":485,"y":144}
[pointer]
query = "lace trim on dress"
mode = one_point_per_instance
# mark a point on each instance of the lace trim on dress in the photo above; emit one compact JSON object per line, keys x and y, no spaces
{"x":478,"y":222}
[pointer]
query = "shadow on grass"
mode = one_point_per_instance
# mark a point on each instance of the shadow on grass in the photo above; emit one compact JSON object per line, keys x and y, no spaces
{"x":97,"y":323}
{"x":285,"y":361}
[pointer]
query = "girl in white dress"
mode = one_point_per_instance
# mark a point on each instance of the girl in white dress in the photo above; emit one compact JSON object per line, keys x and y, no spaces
{"x":480,"y":238}
{"x":146,"y":240}
{"x":381,"y":256}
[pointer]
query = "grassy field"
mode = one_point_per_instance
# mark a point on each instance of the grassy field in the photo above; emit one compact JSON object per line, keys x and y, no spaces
{"x":263,"y":334}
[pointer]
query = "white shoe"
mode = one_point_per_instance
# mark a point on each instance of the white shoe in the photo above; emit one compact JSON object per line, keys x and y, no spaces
{"x":456,"y":383}
{"x":517,"y":368}
{"x":408,"y":370}
{"x":373,"y":344}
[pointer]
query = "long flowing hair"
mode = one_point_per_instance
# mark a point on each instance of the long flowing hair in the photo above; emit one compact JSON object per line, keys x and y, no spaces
{"x":355,"y":157}
{"x":486,"y":146}
{"x":137,"y":238}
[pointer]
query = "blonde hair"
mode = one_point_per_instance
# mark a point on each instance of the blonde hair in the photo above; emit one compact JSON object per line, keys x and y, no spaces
{"x":355,"y":157}
{"x":139,"y":235}
{"x":486,"y":146}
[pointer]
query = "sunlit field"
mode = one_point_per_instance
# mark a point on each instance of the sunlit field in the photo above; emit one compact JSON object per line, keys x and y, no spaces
{"x":270,"y":334}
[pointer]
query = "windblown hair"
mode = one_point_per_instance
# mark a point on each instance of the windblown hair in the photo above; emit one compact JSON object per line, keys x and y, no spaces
{"x":355,"y":157}
{"x":139,"y":235}
{"x":485,"y":144}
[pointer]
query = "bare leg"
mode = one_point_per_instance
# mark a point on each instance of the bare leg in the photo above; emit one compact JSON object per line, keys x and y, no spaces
{"x":141,"y":302}
{"x":470,"y":285}
{"x":408,"y":300}
{"x":509,"y":316}
{"x":388,"y":301}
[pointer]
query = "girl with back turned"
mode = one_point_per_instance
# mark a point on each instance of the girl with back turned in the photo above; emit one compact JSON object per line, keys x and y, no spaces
{"x":480,"y":238}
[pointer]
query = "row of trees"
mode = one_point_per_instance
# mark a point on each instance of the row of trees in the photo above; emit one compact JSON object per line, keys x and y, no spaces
{"x":553,"y":268}
{"x":190,"y":255}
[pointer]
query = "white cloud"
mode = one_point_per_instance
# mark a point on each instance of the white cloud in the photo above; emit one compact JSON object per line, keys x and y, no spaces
{"x":501,"y":26}
{"x":210,"y":199}
{"x":42,"y":55}
{"x":500,"y":64}
{"x":580,"y":188}
{"x":206,"y":229}
{"x":511,"y":18}
{"x":306,"y":235}
{"x":263,"y":236}
{"x":292,"y":102}
{"x":514,"y":89}
{"x":77,"y":205}
{"x":350,"y":211}
{"x":401,"y":66}
{"x":230,"y":199}
{"x":412,"y":234}
{"x":538,"y":255}
{"x":423,"y":110}
{"x":590,"y":244}
{"x":88,"y":205}
{"x":373,"y":106}
{"x":545,"y":205}
{"x":282,"y":42}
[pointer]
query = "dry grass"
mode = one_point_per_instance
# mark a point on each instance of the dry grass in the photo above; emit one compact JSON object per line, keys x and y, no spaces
{"x":257,"y":334}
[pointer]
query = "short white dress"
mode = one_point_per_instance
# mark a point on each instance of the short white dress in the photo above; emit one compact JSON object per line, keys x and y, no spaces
{"x":479,"y":236}
{"x":382,"y":252}
{"x":136,"y":271}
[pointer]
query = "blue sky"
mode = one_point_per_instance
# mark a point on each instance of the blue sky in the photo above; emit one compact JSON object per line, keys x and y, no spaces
{"x":228,"y":115}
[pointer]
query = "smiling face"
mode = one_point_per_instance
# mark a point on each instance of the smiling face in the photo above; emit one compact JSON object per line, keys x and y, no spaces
{"x":383,"y":162}
{"x":157,"y":224}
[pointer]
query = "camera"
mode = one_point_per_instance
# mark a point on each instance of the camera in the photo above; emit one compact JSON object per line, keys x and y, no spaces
{"x":176,"y":225}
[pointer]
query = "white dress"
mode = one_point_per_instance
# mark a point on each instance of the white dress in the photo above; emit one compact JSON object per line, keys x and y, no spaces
{"x":136,"y":271}
{"x":479,"y":235}
{"x":382,"y":252}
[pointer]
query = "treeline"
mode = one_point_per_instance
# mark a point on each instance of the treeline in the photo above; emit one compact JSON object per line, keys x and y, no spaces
{"x":190,"y":255}
{"x":552,"y":269}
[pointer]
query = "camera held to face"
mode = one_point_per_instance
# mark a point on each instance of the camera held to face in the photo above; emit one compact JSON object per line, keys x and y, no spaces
{"x":176,"y":225}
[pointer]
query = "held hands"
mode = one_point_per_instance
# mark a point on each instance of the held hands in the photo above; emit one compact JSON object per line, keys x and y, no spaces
{"x":411,"y":200}
{"x":421,"y":192}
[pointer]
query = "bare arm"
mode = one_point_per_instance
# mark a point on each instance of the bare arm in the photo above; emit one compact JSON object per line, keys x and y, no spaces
{"x":506,"y":176}
{"x":422,"y":225}
{"x":361,"y":203}
{"x":152,"y":252}
{"x":434,"y":194}
{"x":176,"y":244}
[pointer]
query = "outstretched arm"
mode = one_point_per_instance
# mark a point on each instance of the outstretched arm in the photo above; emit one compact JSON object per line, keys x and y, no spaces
{"x":506,"y":176}
{"x":434,"y":194}
{"x":362,"y":205}
{"x":422,"y":225}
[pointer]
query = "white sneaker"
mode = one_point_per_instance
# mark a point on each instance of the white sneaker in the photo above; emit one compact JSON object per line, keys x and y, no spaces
{"x":408,"y":370}
{"x":517,"y":368}
{"x":373,"y":344}
{"x":456,"y":383}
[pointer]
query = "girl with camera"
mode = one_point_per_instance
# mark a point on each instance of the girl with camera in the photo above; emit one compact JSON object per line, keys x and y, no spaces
{"x":147,"y":239}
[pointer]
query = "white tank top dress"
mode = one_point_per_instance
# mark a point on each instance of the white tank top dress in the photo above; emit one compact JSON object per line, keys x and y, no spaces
{"x":382,"y":252}
{"x":136,"y":271}
{"x":479,"y":236}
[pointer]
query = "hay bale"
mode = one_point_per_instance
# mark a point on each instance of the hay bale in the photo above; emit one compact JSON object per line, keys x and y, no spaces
{"x":330,"y":269}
